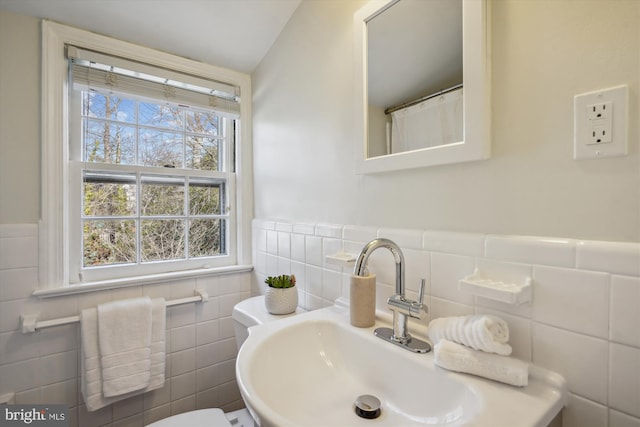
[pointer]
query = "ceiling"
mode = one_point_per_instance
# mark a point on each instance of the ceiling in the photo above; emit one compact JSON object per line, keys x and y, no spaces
{"x":234,"y":34}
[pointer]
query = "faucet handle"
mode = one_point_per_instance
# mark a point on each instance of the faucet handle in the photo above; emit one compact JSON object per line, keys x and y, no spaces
{"x":417,"y":309}
{"x":421,"y":291}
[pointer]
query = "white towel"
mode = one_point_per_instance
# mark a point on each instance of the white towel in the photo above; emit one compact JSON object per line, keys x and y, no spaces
{"x":124,"y":337}
{"x":456,"y":357}
{"x":480,"y":332}
{"x":91,"y":368}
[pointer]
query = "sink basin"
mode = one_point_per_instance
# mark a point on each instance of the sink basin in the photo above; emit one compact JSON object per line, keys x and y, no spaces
{"x":308,"y":370}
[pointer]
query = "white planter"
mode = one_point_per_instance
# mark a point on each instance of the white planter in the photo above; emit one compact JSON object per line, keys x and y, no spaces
{"x":281,"y":301}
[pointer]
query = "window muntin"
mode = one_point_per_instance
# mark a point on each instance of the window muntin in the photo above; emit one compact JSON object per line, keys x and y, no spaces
{"x":155,"y":182}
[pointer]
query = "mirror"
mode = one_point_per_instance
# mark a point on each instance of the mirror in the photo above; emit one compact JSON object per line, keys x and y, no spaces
{"x":422,"y":83}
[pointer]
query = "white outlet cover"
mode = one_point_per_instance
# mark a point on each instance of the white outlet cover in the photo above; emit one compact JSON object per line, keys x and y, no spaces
{"x":583,"y":146}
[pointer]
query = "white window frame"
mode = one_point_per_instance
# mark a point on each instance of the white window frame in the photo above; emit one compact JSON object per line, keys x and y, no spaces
{"x":55,"y":231}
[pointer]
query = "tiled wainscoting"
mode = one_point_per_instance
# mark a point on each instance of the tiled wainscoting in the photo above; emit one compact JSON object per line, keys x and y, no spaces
{"x":43,"y":367}
{"x":583,"y":321}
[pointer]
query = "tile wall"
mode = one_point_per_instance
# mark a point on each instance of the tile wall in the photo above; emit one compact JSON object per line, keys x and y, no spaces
{"x":43,"y":367}
{"x":583,"y":321}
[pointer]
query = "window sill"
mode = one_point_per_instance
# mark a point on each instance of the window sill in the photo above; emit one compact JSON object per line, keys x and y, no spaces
{"x":137,"y":281}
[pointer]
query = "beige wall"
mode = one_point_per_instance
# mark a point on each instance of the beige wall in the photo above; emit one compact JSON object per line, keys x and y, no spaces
{"x":544,"y":53}
{"x":19,"y":119}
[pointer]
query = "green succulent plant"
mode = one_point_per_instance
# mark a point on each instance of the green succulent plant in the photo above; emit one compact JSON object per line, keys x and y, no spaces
{"x":281,"y":282}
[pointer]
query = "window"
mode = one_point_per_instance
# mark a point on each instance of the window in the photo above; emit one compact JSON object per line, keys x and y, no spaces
{"x":151,"y":147}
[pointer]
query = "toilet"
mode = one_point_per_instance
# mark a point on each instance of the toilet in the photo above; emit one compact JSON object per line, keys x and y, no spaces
{"x":246,"y":313}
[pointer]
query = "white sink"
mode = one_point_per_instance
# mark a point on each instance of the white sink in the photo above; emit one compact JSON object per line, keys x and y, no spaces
{"x":308,"y":370}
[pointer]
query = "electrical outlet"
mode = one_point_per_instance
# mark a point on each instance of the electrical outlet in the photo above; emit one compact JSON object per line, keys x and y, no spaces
{"x":600,"y":123}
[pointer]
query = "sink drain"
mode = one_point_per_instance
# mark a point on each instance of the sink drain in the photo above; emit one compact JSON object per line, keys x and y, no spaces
{"x":367,"y":406}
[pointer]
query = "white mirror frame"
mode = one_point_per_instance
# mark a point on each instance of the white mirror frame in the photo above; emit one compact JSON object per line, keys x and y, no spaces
{"x":477,"y":108}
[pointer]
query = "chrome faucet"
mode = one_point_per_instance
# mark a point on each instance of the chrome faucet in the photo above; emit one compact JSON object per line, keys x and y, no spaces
{"x":401,"y":307}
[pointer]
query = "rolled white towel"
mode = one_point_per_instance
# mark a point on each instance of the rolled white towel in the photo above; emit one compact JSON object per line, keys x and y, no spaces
{"x":480,"y":332}
{"x":456,"y":357}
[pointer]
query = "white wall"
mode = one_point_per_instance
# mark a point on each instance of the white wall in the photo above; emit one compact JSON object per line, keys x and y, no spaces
{"x":544,"y":53}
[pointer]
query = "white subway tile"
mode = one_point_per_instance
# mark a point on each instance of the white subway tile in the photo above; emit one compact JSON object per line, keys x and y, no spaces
{"x":618,"y":419}
{"x":59,"y":339}
{"x":313,"y":281}
{"x":209,"y":310}
{"x":572,"y":299}
{"x":446,"y":271}
{"x":207,"y":355}
{"x":227,"y":371}
{"x":63,"y":393}
{"x":470,"y":244}
{"x":18,"y":230}
{"x":59,"y":367}
{"x":183,"y":338}
{"x":331,"y":285}
{"x":297,"y":247}
{"x":16,"y":346}
{"x":532,"y":250}
{"x":359,"y":234}
{"x":18,"y":252}
{"x":331,"y":246}
{"x":183,"y":385}
{"x":283,"y":266}
{"x":183,"y":361}
{"x":207,"y":377}
{"x":100,"y":417}
{"x":304,"y":228}
{"x":185,"y":404}
{"x":612,"y":257}
{"x":624,"y":383}
{"x":580,"y":359}
{"x":272,"y":242}
{"x":260,"y":239}
{"x":228,"y":349}
{"x":157,"y":413}
{"x":417,"y":267}
{"x":207,"y":332}
{"x":625,"y":310}
{"x":329,"y":230}
{"x":227,"y":302}
{"x":284,"y":244}
{"x":581,"y":412}
{"x":181,"y":315}
{"x":409,"y":239}
{"x":313,"y":250}
{"x":128,"y":407}
{"x":284,"y":226}
{"x":18,"y":283}
{"x":22,"y":375}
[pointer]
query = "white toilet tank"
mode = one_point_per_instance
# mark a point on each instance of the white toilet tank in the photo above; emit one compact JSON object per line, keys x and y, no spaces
{"x":251,"y":312}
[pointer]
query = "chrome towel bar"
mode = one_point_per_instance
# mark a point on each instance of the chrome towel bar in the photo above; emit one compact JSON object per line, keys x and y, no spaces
{"x":29,"y":322}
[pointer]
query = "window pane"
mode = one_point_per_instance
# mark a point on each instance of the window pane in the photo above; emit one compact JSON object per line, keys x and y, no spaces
{"x":206,"y":237}
{"x":111,"y":107}
{"x":161,"y":116}
{"x":109,"y":242}
{"x":109,"y":194}
{"x":106,"y":142}
{"x":205,"y":198}
{"x":162,"y":196}
{"x":202,"y":123}
{"x":202,"y":153}
{"x":162,"y":240}
{"x":158,"y":148}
